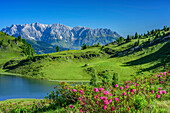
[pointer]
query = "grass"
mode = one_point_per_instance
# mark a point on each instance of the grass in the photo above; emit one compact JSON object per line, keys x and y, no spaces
{"x":24,"y":101}
{"x":70,"y":65}
{"x":164,"y":104}
{"x":9,"y":50}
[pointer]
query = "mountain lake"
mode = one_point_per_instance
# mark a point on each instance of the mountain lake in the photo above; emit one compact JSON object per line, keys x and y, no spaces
{"x":12,"y":87}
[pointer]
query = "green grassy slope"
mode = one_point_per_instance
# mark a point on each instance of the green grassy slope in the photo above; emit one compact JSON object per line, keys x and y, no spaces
{"x":11,"y":49}
{"x":127,"y":59}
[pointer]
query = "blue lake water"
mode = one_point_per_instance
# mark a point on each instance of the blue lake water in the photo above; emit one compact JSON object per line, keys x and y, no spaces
{"x":18,"y":87}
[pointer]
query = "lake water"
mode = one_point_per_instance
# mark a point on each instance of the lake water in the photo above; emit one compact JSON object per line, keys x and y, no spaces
{"x":18,"y":87}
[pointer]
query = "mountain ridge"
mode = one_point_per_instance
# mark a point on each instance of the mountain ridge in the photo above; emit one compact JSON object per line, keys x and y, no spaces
{"x":62,"y":35}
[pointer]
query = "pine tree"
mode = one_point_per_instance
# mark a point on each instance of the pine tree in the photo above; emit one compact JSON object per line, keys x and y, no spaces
{"x":128,"y":38}
{"x":136,"y":35}
{"x":148,"y":32}
{"x":1,"y":42}
{"x":84,"y":46}
{"x":23,"y":41}
{"x":57,"y":48}
{"x":133,"y":37}
{"x":120,"y":40}
{"x":19,"y":38}
{"x":152,"y":32}
{"x":165,"y":28}
{"x":98,"y":44}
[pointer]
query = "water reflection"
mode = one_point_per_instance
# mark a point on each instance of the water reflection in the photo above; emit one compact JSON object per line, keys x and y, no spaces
{"x":18,"y":87}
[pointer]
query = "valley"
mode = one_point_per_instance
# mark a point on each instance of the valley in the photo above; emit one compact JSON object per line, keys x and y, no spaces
{"x":131,"y":61}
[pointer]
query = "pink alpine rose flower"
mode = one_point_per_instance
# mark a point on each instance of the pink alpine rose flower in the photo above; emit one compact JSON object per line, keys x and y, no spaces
{"x":103,"y":98}
{"x":159,"y":88}
{"x":74,"y":90}
{"x":121,"y":88}
{"x":160,"y":92}
{"x":104,"y":107}
{"x":164,"y":74}
{"x":158,"y":96}
{"x":110,"y":100}
{"x":96,"y":89}
{"x":101,"y":89}
{"x":71,"y":106}
{"x":164,"y":92}
{"x":81,"y":110}
{"x":112,"y":108}
{"x":127,"y":87}
{"x":80,"y":98}
{"x":81,"y":91}
{"x":110,"y":94}
{"x":106,"y":102}
{"x":116,"y":99}
{"x":116,"y":85}
{"x":152,"y":91}
{"x":136,"y":85}
{"x":124,"y":93}
{"x":133,"y":90}
{"x":159,"y":75}
{"x":106,"y":92}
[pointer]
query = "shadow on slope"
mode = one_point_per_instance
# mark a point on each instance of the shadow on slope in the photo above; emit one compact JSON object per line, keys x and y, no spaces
{"x":163,"y":55}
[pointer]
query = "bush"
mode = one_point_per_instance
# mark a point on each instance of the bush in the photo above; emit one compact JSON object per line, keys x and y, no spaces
{"x":115,"y":79}
{"x":137,"y":95}
{"x":94,"y":78}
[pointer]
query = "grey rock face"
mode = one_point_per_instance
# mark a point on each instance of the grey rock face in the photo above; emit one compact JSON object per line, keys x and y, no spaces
{"x":61,"y":34}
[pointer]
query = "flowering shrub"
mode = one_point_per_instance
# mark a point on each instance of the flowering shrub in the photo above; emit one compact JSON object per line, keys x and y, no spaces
{"x":132,"y":96}
{"x":137,"y":95}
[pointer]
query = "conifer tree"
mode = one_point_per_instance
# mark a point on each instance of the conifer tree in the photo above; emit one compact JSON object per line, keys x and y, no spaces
{"x":84,"y":46}
{"x":136,"y":35}
{"x":57,"y":48}
{"x":19,"y":38}
{"x":128,"y":38}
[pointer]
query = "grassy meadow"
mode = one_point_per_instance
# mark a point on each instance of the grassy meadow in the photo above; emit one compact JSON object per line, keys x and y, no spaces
{"x":141,"y":57}
{"x":113,"y":58}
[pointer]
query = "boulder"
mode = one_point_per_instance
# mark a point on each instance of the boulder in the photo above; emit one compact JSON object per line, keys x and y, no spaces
{"x":132,"y":49}
{"x":86,"y":65}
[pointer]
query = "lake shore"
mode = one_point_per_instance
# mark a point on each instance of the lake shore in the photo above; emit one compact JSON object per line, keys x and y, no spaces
{"x":13,"y":74}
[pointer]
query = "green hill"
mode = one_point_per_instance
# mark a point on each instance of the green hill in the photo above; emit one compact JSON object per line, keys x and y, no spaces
{"x":139,"y":55}
{"x":12,"y":48}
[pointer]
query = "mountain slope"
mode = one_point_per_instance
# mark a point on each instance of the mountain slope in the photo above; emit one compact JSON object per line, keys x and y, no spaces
{"x":41,"y":47}
{"x":151,"y":55}
{"x":64,"y":36}
{"x":11,"y":48}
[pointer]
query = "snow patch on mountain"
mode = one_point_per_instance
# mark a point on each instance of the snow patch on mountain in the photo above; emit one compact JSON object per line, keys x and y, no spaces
{"x":74,"y":36}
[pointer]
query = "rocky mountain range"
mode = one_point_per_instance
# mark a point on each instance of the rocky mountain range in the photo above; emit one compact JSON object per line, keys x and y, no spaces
{"x":64,"y":36}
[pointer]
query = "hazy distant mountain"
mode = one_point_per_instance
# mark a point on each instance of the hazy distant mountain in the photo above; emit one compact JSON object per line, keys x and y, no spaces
{"x":41,"y":47}
{"x":64,"y":36}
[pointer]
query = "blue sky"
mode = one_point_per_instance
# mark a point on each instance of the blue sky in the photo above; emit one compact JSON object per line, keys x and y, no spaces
{"x":122,"y":16}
